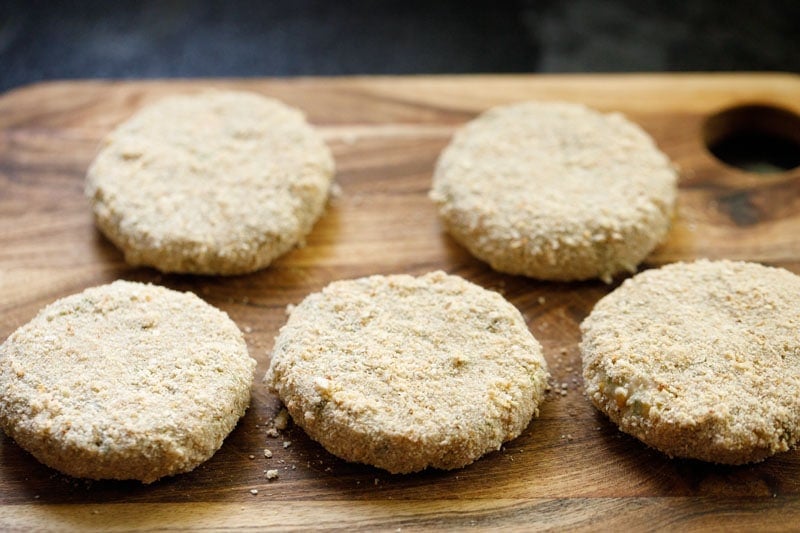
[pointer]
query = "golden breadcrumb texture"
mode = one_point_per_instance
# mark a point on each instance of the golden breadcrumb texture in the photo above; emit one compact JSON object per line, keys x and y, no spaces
{"x":214,"y":183}
{"x":124,"y":381}
{"x":555,"y":191}
{"x":406,"y":373}
{"x":700,"y":360}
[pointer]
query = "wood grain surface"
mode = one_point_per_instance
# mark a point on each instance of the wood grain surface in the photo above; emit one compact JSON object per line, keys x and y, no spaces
{"x":570,"y":469}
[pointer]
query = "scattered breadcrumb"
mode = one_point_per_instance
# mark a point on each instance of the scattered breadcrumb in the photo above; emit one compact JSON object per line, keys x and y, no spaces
{"x":272,"y":474}
{"x":251,"y":456}
{"x":281,"y":420}
{"x":272,"y":432}
{"x":287,"y":443}
{"x":253,"y":491}
{"x":267,"y":453}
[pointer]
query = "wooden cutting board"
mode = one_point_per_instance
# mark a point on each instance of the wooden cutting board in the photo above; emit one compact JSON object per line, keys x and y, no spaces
{"x":570,"y":469}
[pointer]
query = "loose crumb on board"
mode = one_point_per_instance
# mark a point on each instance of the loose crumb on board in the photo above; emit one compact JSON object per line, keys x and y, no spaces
{"x":254,"y":491}
{"x":272,"y":474}
{"x":287,"y":443}
{"x":267,"y":453}
{"x":281,"y":420}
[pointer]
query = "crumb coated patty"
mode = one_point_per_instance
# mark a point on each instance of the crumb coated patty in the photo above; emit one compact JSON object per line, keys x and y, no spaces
{"x":555,"y":191}
{"x":219,"y":182}
{"x":406,"y":373}
{"x":124,"y":381}
{"x":700,"y":360}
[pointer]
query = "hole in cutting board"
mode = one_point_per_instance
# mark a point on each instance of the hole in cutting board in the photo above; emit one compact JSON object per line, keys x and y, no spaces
{"x":756,"y":138}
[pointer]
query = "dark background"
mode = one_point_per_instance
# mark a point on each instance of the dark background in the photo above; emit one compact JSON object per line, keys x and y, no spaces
{"x":108,"y":39}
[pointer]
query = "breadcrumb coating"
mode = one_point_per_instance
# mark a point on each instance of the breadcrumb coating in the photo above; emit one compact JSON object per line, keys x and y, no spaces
{"x":406,"y":373}
{"x":555,"y":191}
{"x":220,"y":182}
{"x":700,"y":360}
{"x":124,"y":381}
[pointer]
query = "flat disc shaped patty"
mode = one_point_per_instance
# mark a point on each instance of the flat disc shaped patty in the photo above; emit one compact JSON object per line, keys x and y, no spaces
{"x":406,"y":372}
{"x":700,"y":360}
{"x":220,"y":182}
{"x":124,"y":381}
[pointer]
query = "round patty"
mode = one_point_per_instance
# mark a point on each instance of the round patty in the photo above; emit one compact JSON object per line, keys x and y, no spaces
{"x":555,"y":191}
{"x":124,"y":381}
{"x":406,"y":373}
{"x":212,"y":183}
{"x":700,"y":360}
